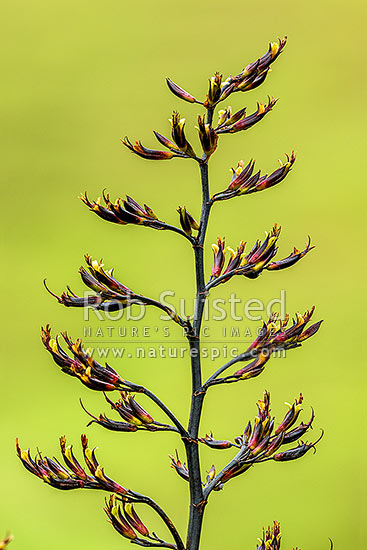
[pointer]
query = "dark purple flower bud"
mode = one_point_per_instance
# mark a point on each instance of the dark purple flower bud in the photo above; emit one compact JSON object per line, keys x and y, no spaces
{"x":291,"y":416}
{"x":235,"y":259}
{"x":274,"y":444}
{"x":180,"y":467}
{"x":208,"y":136}
{"x":180,"y":92}
{"x":254,"y":368}
{"x":110,"y":424}
{"x":187,"y":222}
{"x":166,"y":142}
{"x":248,"y":121}
{"x":214,"y":92}
{"x":218,"y":262}
{"x":117,"y":520}
{"x":275,"y":335}
{"x":134,"y":520}
{"x":178,"y":135}
{"x":149,"y":154}
{"x":215,"y":443}
{"x":51,"y":471}
{"x":299,"y":431}
{"x":91,"y":373}
{"x":297,"y":452}
{"x":292,"y":259}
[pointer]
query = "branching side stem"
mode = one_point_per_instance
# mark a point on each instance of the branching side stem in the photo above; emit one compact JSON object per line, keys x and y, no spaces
{"x":137,"y":497}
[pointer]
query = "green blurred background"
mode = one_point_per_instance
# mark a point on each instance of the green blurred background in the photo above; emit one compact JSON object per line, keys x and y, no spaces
{"x":77,"y":76}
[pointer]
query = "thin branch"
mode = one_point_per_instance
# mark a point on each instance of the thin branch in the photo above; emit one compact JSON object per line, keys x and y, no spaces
{"x":218,"y":478}
{"x":163,"y":225}
{"x":153,"y":427}
{"x":148,"y":544}
{"x":246,"y":356}
{"x":217,"y":280}
{"x":185,"y":323}
{"x":141,"y":389}
{"x":150,"y":502}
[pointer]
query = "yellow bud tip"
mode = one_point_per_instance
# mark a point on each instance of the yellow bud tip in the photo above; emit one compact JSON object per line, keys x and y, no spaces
{"x":274,"y":47}
{"x":53,"y":345}
{"x":230,"y":250}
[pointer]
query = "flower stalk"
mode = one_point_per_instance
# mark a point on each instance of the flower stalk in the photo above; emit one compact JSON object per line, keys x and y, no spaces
{"x":260,"y":441}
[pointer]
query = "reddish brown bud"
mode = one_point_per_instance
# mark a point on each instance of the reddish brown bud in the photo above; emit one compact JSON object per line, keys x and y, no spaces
{"x":118,"y":521}
{"x":291,"y":416}
{"x":255,"y":73}
{"x":53,"y":473}
{"x":178,"y":135}
{"x":243,"y":181}
{"x":180,"y":92}
{"x":297,"y":452}
{"x":187,"y":222}
{"x":149,"y":154}
{"x":219,"y":259}
{"x":214,"y":92}
{"x":215,"y":443}
{"x":91,"y":373}
{"x":299,"y":431}
{"x":180,"y":467}
{"x":208,"y":136}
{"x":110,"y":424}
{"x":292,"y":259}
{"x":134,"y":520}
{"x":248,"y":121}
{"x":166,"y":142}
{"x":254,"y":368}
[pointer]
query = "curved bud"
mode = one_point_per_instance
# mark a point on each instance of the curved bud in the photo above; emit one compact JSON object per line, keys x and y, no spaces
{"x":114,"y":513}
{"x":292,"y":259}
{"x":291,"y":416}
{"x":248,"y":121}
{"x":180,"y":467}
{"x":219,"y":258}
{"x":149,"y":154}
{"x":207,"y":135}
{"x":215,"y":443}
{"x":180,"y":92}
{"x":134,"y":520}
{"x":178,"y":134}
{"x":187,"y":222}
{"x":254,"y":368}
{"x":297,"y":452}
{"x":165,"y":141}
{"x":214,"y":92}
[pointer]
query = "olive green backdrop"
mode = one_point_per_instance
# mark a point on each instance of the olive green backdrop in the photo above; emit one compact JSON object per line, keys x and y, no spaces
{"x":77,"y":76}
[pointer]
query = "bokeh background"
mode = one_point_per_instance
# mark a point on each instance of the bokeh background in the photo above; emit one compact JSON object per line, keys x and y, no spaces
{"x":77,"y":76}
